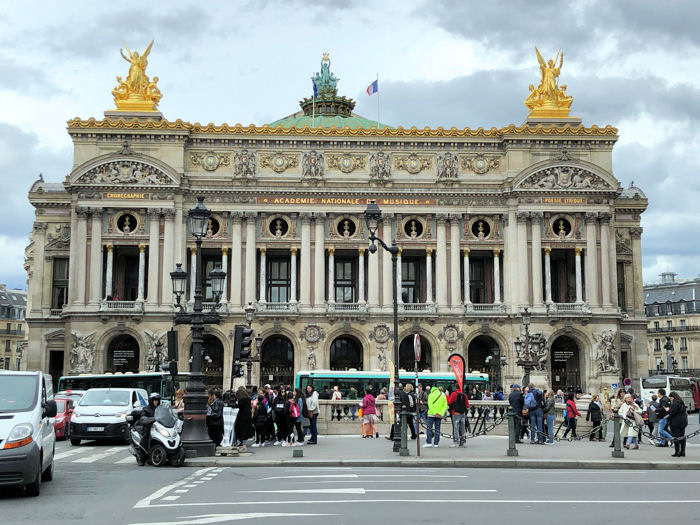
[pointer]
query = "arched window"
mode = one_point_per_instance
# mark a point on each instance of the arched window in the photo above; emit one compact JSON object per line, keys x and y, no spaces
{"x":346,"y":353}
{"x":566,"y":364}
{"x":277,"y":361}
{"x":407,"y":356}
{"x":212,"y":362}
{"x":122,"y":354}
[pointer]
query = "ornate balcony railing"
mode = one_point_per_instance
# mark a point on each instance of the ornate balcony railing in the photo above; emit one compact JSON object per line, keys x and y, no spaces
{"x":484,"y":308}
{"x":662,"y":329}
{"x":277,"y":307}
{"x":346,"y":307}
{"x":568,"y":308}
{"x":121,"y":306}
{"x":417,"y":308}
{"x":55,"y":312}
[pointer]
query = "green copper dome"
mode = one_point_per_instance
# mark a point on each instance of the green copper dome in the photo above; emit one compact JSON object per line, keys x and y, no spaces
{"x":326,"y":109}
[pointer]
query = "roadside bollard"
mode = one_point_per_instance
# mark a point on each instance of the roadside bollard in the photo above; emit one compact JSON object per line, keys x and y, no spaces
{"x":403,"y":451}
{"x":617,"y":450}
{"x":512,"y":451}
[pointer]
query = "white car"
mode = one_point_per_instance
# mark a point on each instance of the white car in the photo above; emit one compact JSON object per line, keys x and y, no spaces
{"x":101,"y":413}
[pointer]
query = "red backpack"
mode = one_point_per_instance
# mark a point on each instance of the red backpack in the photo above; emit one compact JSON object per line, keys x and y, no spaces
{"x":294,"y":409}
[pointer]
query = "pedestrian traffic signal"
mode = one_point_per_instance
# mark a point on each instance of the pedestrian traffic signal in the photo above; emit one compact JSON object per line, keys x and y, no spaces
{"x":170,"y":366}
{"x":172,"y":345}
{"x":237,"y":370}
{"x":243,"y":338}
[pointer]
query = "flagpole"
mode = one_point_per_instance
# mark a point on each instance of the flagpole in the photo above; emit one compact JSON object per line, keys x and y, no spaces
{"x":313,"y":110}
{"x":378,"y":100}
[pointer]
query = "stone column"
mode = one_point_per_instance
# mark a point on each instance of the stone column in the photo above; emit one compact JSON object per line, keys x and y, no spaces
{"x":293,"y":276}
{"x":579,"y":287}
{"x":108,"y":272}
{"x":361,"y":275}
{"x":441,"y":257}
{"x":250,"y":252}
{"x":73,"y":258}
{"x":612,"y":245}
{"x":236,"y":260}
{"x":467,"y":289}
{"x":320,"y":261}
{"x":548,"y":274}
{"x":591,"y":261}
{"x":95,"y":258}
{"x":634,"y":288}
{"x":81,"y":257}
{"x":142,"y":272}
{"x":193,"y":271}
{"x":153,"y":256}
{"x":455,"y":284}
{"x":38,"y":282}
{"x":428,"y":275}
{"x":536,"y":235}
{"x":399,"y":281}
{"x":373,"y":276}
{"x":522,"y":266}
{"x":305,"y":274}
{"x":263,"y":275}
{"x":496,"y":276}
{"x":331,"y":275}
{"x":224,"y":268}
{"x":605,"y":259}
{"x":387,"y":285}
{"x":169,"y":251}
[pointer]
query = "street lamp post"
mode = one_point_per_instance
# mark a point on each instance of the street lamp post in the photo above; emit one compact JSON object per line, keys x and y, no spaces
{"x":372,"y":217}
{"x":523,"y":348}
{"x":194,"y":434}
{"x":670,"y":361}
{"x":249,"y":317}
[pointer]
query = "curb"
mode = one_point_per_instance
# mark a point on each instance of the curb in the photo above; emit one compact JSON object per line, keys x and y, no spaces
{"x":599,"y":464}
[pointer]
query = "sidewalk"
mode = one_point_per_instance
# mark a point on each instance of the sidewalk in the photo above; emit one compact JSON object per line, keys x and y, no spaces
{"x":480,"y":452}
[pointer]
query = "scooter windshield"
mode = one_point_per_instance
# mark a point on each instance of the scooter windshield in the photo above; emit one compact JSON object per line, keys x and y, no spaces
{"x":165,"y":416}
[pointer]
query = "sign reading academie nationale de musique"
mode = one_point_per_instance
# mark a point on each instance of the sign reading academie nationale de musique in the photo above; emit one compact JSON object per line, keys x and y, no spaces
{"x":346,"y":201}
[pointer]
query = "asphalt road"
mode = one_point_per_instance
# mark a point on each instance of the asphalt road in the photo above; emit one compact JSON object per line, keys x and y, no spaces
{"x":101,"y":484}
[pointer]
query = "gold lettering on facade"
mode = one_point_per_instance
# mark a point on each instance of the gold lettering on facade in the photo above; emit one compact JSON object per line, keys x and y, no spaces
{"x":345,"y":201}
{"x":563,"y":200}
{"x":128,"y":196}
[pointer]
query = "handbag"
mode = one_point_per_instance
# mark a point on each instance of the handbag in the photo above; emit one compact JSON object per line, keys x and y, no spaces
{"x":359,"y":413}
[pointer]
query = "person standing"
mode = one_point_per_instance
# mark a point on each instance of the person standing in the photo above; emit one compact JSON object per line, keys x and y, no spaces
{"x":627,"y":411}
{"x":651,"y":417}
{"x":337,"y":396}
{"x":548,"y":412}
{"x":595,"y":416}
{"x":437,"y":406}
{"x":571,"y":413}
{"x":297,"y":423}
{"x":517,"y":402}
{"x":381,"y":397}
{"x":422,"y":398}
{"x":677,"y":420}
{"x":215,"y":418}
{"x":352,"y":396}
{"x":535,"y":406}
{"x":312,"y":407}
{"x":662,"y":413}
{"x":243,"y":427}
{"x":458,"y":409}
{"x":369,"y":415}
{"x":179,"y":403}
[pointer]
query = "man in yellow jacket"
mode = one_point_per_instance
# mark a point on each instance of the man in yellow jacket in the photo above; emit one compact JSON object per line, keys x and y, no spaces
{"x":437,"y":407}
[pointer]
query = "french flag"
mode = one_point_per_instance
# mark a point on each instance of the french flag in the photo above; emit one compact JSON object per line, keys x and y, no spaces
{"x":373,"y":87}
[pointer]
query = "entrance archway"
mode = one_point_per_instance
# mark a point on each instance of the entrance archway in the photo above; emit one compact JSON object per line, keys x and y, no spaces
{"x":484,"y":355}
{"x":345,"y":353}
{"x":123,"y":354}
{"x":407,"y":357}
{"x":212,"y":362}
{"x":277,"y":361}
{"x":566,"y":364}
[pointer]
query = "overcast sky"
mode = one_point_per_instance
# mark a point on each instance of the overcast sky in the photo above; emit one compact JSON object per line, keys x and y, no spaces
{"x":634,"y":65}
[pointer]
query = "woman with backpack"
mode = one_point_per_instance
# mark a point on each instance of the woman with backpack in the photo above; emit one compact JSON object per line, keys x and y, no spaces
{"x":259,"y":421}
{"x":291,"y":410}
{"x":280,"y":408}
{"x":300,"y":403}
{"x":571,"y":413}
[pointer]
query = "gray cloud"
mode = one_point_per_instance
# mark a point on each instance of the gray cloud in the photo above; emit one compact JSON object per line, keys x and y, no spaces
{"x":27,"y":79}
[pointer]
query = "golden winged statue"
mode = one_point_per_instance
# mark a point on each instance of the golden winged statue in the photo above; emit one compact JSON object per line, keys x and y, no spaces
{"x":137,"y":92}
{"x":549,"y":99}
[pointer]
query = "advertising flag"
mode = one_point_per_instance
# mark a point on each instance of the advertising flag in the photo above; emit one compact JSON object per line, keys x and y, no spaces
{"x":457,"y":363}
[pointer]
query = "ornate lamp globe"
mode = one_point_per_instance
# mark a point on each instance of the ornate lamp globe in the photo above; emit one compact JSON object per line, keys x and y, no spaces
{"x":217,"y":277}
{"x":372,"y":216}
{"x":198,"y":218}
{"x":249,"y":312}
{"x":179,"y":279}
{"x":526,"y":317}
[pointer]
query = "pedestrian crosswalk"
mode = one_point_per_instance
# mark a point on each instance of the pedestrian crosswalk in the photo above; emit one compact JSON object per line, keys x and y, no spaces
{"x":90,"y":454}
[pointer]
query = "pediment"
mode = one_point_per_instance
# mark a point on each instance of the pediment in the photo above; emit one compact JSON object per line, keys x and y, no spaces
{"x":125,"y":171}
{"x":564,"y":176}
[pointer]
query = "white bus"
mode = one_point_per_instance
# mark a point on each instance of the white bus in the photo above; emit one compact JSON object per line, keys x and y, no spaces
{"x":682,"y":385}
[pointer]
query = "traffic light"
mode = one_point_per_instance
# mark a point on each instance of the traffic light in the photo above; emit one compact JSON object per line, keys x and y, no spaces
{"x":172,"y":345}
{"x":170,"y":366}
{"x":242,"y":340}
{"x":237,"y":370}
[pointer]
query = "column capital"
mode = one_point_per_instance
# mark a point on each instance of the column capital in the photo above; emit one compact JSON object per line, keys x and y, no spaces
{"x":142,"y":248}
{"x":536,"y":216}
{"x":293,"y":250}
{"x":547,"y":251}
{"x":361,"y":251}
{"x":429,"y":251}
{"x":168,"y":213}
{"x":605,"y":217}
{"x":636,"y":233}
{"x":192,"y":249}
{"x":263,"y":250}
{"x":496,"y":252}
{"x":250,"y":215}
{"x":319,"y":216}
{"x":97,"y":213}
{"x":40,"y":226}
{"x":522,"y":216}
{"x":82,"y":211}
{"x":237,"y":217}
{"x":305,"y":217}
{"x":331,"y":251}
{"x":110,"y":248}
{"x":154,"y":213}
{"x":441,"y":218}
{"x":400,"y":252}
{"x":224,"y":250}
{"x":466,"y":251}
{"x":590,"y":217}
{"x":578,"y":251}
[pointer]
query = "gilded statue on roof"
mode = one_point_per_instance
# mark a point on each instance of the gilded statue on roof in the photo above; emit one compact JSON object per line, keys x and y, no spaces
{"x":138,"y":92}
{"x":325,"y":81}
{"x":549,"y":99}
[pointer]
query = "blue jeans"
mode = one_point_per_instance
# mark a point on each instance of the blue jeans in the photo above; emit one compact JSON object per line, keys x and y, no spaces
{"x":662,"y":431}
{"x":353,"y":411}
{"x":550,"y":427}
{"x":536,"y":419}
{"x":314,"y":429}
{"x":416,"y":423}
{"x":433,"y":422}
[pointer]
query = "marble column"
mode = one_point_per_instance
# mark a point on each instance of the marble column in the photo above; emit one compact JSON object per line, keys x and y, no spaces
{"x":142,"y":272}
{"x":73,"y":258}
{"x":320,"y":261}
{"x":81,"y":257}
{"x":441,"y":259}
{"x":263,"y":275}
{"x":497,"y":276}
{"x":193,"y":271}
{"x":467,"y":290}
{"x":579,"y":286}
{"x":153,"y":255}
{"x":612,"y":246}
{"x":633,"y":287}
{"x":37,"y":297}
{"x":109,"y":270}
{"x":293,"y":275}
{"x":169,"y":251}
{"x":536,"y":236}
{"x":605,"y":259}
{"x":361,"y":275}
{"x":548,"y":275}
{"x":429,"y":275}
{"x":305,"y":274}
{"x":387,"y":285}
{"x":399,"y":281}
{"x":592,"y":296}
{"x":250,"y":253}
{"x":510,"y":261}
{"x":373,"y":279}
{"x":523,"y":270}
{"x":455,"y":267}
{"x":331,"y":275}
{"x":224,"y":268}
{"x":236,"y":259}
{"x":95,"y":258}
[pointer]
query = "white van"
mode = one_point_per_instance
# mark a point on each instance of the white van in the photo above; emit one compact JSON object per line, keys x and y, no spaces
{"x":27,"y":439}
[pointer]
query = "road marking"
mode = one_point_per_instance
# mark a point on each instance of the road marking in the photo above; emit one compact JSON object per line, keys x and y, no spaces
{"x":190,"y":486}
{"x":127,"y":459}
{"x":359,"y":490}
{"x":620,"y":482}
{"x":217,"y":518}
{"x":146,"y":502}
{"x":371,"y":481}
{"x":356,"y":476}
{"x":181,"y":491}
{"x":73,"y":451}
{"x":101,"y":455}
{"x":170,"y":498}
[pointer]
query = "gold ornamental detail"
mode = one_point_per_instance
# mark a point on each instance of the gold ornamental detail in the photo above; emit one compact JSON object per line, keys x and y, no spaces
{"x":279,"y":162}
{"x":346,"y":163}
{"x":137,"y":92}
{"x":209,"y":160}
{"x":549,"y":99}
{"x":480,"y":164}
{"x":413,"y":163}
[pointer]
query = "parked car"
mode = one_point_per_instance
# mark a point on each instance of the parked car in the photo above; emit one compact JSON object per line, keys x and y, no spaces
{"x":27,"y":437}
{"x":75,"y":395}
{"x":101,"y":413}
{"x":61,"y":423}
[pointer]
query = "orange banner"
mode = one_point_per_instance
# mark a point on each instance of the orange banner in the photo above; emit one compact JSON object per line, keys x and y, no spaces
{"x":457,"y":364}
